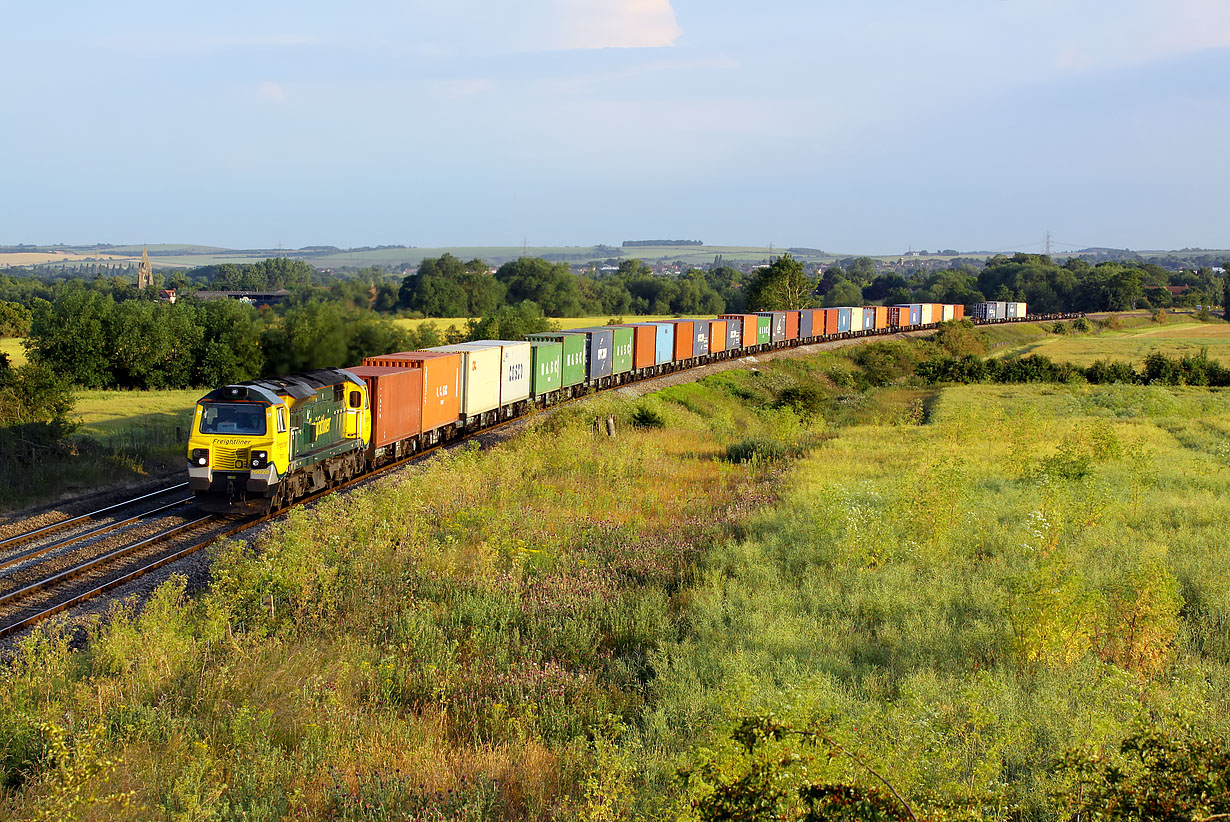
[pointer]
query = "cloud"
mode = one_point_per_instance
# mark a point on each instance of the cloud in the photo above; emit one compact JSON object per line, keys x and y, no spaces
{"x":602,"y":24}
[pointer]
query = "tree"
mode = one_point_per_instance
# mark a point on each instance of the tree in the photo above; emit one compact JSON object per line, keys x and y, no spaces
{"x":843,"y":292}
{"x":782,"y":285}
{"x":552,"y":285}
{"x":510,"y":322}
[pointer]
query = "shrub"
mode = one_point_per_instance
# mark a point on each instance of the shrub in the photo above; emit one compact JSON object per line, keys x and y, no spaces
{"x":646,"y":416}
{"x":756,"y":448}
{"x":804,"y":400}
{"x":1106,"y":372}
{"x":1081,"y":326}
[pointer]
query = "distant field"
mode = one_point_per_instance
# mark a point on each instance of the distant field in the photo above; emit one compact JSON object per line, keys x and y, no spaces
{"x":12,"y":347}
{"x":111,"y":414}
{"x":1176,"y":339}
{"x":36,"y":257}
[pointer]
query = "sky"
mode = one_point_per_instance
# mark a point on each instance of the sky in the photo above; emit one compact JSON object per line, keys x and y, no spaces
{"x":873,"y":126}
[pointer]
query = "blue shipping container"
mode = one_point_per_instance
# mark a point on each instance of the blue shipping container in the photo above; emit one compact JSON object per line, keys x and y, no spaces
{"x":598,"y":353}
{"x":805,"y":323}
{"x":869,"y":318}
{"x":843,"y":320}
{"x":734,"y":333}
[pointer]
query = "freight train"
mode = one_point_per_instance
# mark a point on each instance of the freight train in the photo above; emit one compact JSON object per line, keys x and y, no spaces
{"x":262,"y":444}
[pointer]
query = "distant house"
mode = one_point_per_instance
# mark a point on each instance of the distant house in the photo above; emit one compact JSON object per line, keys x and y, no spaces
{"x":257,"y":298}
{"x":167,"y":295}
{"x":1176,"y":290}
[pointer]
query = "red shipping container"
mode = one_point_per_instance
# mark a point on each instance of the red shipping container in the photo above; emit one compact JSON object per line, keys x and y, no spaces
{"x":749,"y":328}
{"x":830,"y":320}
{"x":441,"y":382}
{"x":792,"y":325}
{"x":717,"y":335}
{"x":960,"y":312}
{"x":396,"y":396}
{"x":898,"y":316}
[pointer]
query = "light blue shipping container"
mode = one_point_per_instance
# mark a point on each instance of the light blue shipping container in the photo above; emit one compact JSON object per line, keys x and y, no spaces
{"x":843,"y":320}
{"x":869,"y":318}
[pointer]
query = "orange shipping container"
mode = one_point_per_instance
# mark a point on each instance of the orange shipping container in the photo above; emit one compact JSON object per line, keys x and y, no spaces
{"x":830,"y":320}
{"x":881,"y":316}
{"x":792,"y":325}
{"x":441,"y":383}
{"x":644,"y":342}
{"x":749,"y":328}
{"x":717,"y":335}
{"x":683,"y":339}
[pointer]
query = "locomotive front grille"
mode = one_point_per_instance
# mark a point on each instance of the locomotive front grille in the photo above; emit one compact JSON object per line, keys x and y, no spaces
{"x":229,"y":459}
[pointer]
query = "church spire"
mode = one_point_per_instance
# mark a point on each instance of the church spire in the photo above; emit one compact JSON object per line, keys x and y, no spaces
{"x":145,"y":272}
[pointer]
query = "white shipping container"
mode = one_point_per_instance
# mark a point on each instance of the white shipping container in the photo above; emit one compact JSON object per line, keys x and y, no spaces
{"x":950,"y":312}
{"x":514,"y":368}
{"x":480,"y":376}
{"x":926,"y":315}
{"x":856,"y":319}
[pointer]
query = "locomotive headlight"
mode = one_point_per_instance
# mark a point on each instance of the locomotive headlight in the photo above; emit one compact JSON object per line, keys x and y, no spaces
{"x":259,"y":459}
{"x":200,"y":456}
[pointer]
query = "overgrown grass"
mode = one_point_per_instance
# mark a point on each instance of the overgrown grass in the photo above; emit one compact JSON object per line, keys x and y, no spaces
{"x":1037,"y":569}
{"x":474,"y":640}
{"x":1178,"y":336}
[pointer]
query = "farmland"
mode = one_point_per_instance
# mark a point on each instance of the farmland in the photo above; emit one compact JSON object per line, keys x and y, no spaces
{"x":11,"y":347}
{"x":1178,"y":336}
{"x":959,"y":584}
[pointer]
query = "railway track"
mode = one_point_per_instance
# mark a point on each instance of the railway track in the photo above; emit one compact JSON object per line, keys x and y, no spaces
{"x":39,"y":579}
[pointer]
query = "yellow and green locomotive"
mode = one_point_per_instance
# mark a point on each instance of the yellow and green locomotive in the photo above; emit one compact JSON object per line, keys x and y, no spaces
{"x":261,"y":444}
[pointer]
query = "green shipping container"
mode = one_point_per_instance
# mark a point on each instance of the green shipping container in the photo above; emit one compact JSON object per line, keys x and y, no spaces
{"x":764,"y":330}
{"x":548,"y":358}
{"x":572,"y":368}
{"x":621,"y":359}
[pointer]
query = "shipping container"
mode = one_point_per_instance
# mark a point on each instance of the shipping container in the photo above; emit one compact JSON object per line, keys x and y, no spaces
{"x":572,"y":365}
{"x":869,"y":318}
{"x":664,"y":348}
{"x":597,"y":352}
{"x":764,"y":329}
{"x":717,"y":336}
{"x":777,"y":327}
{"x":958,"y":312}
{"x":515,"y":368}
{"x":548,"y":360}
{"x":856,"y":319}
{"x":925,"y":314}
{"x":621,"y":348}
{"x":684,"y":340}
{"x":644,"y":344}
{"x":830,"y":321}
{"x":807,"y":323}
{"x":441,"y":383}
{"x":480,"y":376}
{"x":898,"y":316}
{"x":396,"y":398}
{"x":844,"y":315}
{"x":749,"y":325}
{"x":611,"y":330}
{"x":700,"y":338}
{"x":792,"y":324}
{"x":950,"y":312}
{"x":986,"y":311}
{"x":734,"y":333}
{"x":881,"y":316}
{"x":1010,"y":311}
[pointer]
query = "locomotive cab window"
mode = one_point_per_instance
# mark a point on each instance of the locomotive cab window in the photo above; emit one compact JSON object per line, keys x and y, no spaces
{"x":232,"y":418}
{"x":356,"y":399}
{"x":281,"y":420}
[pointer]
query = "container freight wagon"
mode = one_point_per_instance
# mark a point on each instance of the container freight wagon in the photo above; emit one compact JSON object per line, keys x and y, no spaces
{"x":644,"y":344}
{"x":734,"y":332}
{"x":985,"y":311}
{"x":597,"y":353}
{"x":777,"y":328}
{"x":441,"y":386}
{"x":480,"y":378}
{"x":572,"y":364}
{"x":748,"y":325}
{"x":621,"y":349}
{"x":912,"y":313}
{"x":620,"y":360}
{"x":396,"y":398}
{"x":547,"y":359}
{"x":515,"y":369}
{"x":1014,"y":311}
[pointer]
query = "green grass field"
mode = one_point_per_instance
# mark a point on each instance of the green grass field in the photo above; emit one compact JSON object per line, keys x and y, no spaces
{"x":128,"y":414}
{"x":1179,"y":337}
{"x":12,"y":347}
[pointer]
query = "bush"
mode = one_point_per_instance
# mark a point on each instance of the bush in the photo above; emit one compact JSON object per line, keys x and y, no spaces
{"x":756,"y":448}
{"x":1106,"y":372}
{"x":804,"y":400}
{"x":646,"y":416}
{"x":1081,"y":326}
